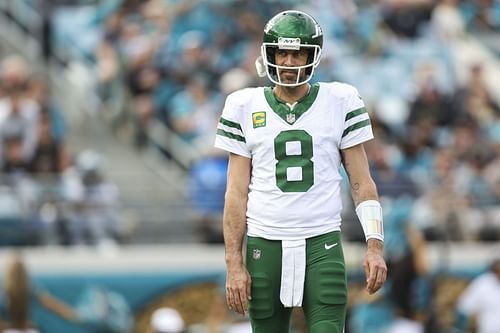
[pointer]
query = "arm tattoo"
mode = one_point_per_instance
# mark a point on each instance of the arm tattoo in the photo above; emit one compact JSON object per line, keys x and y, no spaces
{"x":355,"y":187}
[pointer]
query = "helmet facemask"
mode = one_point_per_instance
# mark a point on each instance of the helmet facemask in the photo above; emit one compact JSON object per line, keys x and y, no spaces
{"x":304,"y":72}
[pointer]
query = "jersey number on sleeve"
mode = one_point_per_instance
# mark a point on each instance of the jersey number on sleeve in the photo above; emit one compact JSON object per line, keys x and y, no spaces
{"x":287,"y":161}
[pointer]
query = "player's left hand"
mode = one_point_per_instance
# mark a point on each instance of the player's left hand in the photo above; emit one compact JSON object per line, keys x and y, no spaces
{"x":374,"y":265}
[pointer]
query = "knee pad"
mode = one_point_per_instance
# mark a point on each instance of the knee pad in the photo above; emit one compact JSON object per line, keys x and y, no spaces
{"x":331,"y":283}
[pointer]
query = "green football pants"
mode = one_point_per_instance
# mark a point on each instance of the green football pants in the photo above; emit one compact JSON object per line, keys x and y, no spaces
{"x":325,"y":289}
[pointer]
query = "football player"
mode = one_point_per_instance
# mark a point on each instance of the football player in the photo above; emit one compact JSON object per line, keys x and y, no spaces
{"x":286,"y":146}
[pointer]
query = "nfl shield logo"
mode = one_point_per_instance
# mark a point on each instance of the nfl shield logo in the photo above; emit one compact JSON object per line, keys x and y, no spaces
{"x":290,"y":118}
{"x":256,"y":254}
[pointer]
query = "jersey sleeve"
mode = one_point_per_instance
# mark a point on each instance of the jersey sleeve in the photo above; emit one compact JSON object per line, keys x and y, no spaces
{"x":230,"y":136}
{"x":357,"y":125}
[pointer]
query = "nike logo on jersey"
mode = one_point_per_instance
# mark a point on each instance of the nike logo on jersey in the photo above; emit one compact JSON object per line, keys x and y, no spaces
{"x":328,"y":247}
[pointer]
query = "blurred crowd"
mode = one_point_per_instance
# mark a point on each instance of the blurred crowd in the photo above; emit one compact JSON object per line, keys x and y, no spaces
{"x":48,"y":196}
{"x":427,"y":70}
{"x":423,"y":68}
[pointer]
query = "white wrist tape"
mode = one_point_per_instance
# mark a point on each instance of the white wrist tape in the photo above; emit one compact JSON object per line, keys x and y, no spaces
{"x":370,"y":215}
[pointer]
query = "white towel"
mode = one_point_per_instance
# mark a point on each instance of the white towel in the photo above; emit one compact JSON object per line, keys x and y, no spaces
{"x":293,"y":271}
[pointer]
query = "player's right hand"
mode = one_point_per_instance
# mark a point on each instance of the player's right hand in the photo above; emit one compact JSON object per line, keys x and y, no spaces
{"x":238,"y":288}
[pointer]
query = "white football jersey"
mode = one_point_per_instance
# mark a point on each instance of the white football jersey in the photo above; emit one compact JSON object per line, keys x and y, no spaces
{"x":295,"y":184}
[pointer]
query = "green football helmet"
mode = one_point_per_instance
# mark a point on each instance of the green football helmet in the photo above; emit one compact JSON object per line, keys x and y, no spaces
{"x":290,"y":30}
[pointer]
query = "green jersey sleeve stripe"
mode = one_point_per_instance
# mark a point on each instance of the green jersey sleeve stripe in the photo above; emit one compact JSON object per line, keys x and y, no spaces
{"x":355,"y":113}
{"x":229,"y":123}
{"x":230,"y":135}
{"x":356,"y":126}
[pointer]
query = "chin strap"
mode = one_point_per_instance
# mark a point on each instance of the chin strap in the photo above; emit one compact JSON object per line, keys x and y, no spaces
{"x":260,"y":67}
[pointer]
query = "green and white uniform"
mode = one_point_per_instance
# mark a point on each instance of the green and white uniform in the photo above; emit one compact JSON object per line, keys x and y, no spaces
{"x":294,"y":250}
{"x":295,"y":184}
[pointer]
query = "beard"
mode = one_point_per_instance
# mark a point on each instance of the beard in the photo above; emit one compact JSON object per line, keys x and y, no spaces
{"x":290,"y":75}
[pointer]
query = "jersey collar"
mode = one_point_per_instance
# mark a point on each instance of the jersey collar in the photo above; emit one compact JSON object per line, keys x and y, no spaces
{"x":284,"y":111}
